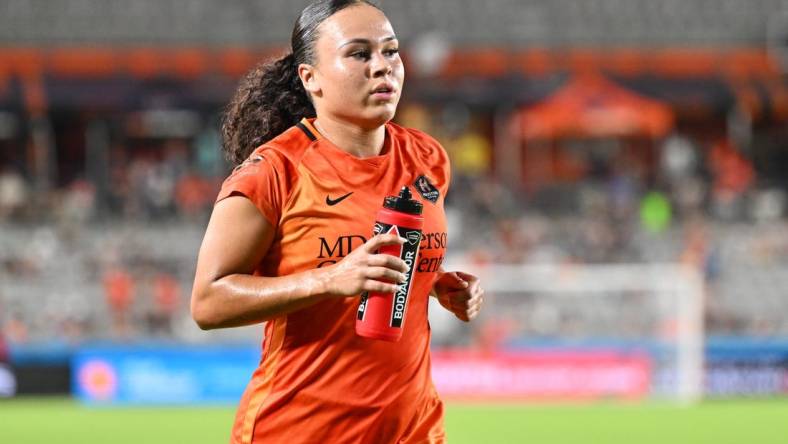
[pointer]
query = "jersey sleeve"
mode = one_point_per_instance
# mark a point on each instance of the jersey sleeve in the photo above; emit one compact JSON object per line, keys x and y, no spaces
{"x":444,"y":166}
{"x":263,"y":179}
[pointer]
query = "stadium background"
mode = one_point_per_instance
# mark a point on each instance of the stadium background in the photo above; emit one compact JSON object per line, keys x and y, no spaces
{"x":582,"y":132}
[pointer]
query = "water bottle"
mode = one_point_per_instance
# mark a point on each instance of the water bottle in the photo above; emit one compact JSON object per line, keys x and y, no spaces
{"x":382,"y":315}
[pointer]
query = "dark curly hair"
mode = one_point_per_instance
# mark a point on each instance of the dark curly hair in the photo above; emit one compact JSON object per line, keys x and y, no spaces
{"x":271,"y":97}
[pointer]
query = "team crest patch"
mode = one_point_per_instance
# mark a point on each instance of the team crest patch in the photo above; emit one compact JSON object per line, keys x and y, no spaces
{"x":426,"y":189}
{"x":251,"y":161}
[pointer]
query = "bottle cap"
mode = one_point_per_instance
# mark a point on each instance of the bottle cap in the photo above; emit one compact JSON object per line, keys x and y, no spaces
{"x":403,"y":203}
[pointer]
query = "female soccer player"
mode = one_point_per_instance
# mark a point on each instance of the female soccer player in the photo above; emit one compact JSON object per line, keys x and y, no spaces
{"x":289,"y":241}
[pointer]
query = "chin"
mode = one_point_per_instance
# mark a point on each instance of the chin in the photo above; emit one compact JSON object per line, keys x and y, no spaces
{"x":382,"y":115}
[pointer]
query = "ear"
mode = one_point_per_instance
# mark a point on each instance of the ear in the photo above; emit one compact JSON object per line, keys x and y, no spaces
{"x":308,"y":76}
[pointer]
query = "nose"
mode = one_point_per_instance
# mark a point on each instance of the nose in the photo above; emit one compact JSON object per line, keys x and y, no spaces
{"x":380,"y":65}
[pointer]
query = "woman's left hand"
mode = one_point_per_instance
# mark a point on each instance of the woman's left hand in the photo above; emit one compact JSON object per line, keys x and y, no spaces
{"x":460,"y":293}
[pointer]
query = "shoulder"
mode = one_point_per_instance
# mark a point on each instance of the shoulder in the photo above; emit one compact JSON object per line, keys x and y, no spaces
{"x":276,"y":161}
{"x":412,"y":135}
{"x":426,"y":153}
{"x":270,"y":173}
{"x":418,"y":142}
{"x":289,"y":146}
{"x":282,"y":153}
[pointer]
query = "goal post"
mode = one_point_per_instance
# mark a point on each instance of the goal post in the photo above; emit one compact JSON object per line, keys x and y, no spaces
{"x":653,"y":308}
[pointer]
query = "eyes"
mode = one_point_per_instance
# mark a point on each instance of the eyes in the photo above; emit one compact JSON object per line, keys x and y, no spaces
{"x":366,"y":54}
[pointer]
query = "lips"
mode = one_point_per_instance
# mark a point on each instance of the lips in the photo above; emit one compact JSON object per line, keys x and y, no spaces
{"x":384,"y":90}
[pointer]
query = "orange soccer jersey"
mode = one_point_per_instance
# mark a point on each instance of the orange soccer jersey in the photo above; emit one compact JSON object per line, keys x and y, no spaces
{"x":318,"y":382}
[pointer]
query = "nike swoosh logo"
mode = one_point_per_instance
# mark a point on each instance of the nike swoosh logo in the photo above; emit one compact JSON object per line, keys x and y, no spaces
{"x":332,"y":202}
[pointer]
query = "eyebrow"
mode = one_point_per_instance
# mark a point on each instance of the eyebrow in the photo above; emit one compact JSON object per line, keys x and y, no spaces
{"x":367,"y":41}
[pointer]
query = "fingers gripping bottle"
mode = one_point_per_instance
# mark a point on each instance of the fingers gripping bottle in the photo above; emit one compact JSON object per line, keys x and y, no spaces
{"x":382,"y":315}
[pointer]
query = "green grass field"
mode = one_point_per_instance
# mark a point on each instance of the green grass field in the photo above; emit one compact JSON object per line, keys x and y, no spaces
{"x":57,"y":420}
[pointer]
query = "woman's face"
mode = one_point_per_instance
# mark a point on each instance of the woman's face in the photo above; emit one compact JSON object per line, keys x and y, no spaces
{"x":358,"y":73}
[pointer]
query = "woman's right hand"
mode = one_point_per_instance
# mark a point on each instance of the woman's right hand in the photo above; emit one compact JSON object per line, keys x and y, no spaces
{"x":364,"y":269}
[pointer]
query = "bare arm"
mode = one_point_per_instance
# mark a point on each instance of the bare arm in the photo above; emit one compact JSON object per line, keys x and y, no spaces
{"x":225,"y":294}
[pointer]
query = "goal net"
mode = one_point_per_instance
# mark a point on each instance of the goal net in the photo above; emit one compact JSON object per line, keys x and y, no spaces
{"x":571,"y":331}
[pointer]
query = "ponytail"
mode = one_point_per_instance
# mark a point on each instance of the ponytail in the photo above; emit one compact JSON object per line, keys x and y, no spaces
{"x":269,"y":100}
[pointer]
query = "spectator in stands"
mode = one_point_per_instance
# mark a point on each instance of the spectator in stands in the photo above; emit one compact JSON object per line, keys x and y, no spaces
{"x":119,"y":293}
{"x":192,"y":196}
{"x":13,"y":193}
{"x":15,"y":329}
{"x":470,"y":152}
{"x":77,"y":204}
{"x":166,"y":301}
{"x":733,"y":176}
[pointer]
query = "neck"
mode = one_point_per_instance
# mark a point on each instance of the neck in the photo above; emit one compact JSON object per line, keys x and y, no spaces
{"x":360,"y":142}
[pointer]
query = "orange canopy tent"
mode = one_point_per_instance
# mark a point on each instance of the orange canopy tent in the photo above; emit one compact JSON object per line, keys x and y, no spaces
{"x":592,"y":106}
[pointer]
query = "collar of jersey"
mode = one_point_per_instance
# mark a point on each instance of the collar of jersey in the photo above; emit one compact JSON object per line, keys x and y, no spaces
{"x":374,"y":160}
{"x":308,"y":124}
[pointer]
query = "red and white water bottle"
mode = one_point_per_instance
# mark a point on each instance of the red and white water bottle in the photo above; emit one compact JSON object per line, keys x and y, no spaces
{"x":382,"y":315}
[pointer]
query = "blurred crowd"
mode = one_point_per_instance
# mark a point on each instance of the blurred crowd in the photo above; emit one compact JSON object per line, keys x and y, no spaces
{"x":155,"y":185}
{"x":90,"y":260}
